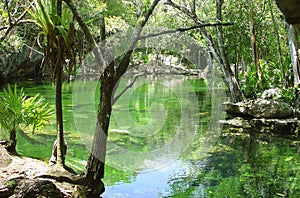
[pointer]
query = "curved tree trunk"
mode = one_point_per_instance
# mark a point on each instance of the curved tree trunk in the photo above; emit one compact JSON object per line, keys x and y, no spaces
{"x":236,"y":94}
{"x":95,"y":165}
{"x":96,"y":161}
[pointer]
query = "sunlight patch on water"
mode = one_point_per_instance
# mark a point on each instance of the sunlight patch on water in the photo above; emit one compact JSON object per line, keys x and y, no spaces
{"x":152,"y":183}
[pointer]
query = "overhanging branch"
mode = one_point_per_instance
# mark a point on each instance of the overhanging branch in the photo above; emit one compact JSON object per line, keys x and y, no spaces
{"x":10,"y":27}
{"x":127,"y":87}
{"x":183,"y":29}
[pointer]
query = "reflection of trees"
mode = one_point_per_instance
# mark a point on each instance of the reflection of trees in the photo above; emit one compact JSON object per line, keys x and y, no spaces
{"x":270,"y":169}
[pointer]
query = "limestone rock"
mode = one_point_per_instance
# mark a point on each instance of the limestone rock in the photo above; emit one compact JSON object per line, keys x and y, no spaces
{"x":278,"y":126}
{"x":273,"y":93}
{"x":235,"y":109}
{"x":259,"y":108}
{"x":36,"y":188}
{"x":262,"y":108}
{"x":236,"y":122}
{"x":5,"y":158}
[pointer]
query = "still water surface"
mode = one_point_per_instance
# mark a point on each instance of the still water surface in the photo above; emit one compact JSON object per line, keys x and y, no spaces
{"x":165,"y":141}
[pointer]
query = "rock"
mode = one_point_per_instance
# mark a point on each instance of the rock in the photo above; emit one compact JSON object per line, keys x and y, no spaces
{"x":36,"y":188}
{"x":79,"y":192}
{"x":236,"y":122}
{"x":278,"y":126}
{"x":273,"y":93}
{"x":235,"y":109}
{"x":23,"y":63}
{"x":262,"y":108}
{"x":5,"y":158}
{"x":259,"y":108}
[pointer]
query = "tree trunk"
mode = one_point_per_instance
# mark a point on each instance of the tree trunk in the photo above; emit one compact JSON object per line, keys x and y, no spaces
{"x":236,"y":93}
{"x":59,"y":114}
{"x":278,"y":45}
{"x":230,"y":79}
{"x":293,"y":45}
{"x":223,"y":55}
{"x":253,"y":42}
{"x":13,"y":142}
{"x":95,"y":164}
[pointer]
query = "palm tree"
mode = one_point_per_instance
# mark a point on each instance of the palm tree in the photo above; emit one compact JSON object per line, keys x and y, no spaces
{"x":59,"y":45}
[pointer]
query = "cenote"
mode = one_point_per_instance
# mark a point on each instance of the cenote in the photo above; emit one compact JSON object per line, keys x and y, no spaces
{"x":165,"y":141}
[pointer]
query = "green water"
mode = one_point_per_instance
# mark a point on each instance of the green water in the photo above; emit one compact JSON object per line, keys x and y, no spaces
{"x":165,"y":141}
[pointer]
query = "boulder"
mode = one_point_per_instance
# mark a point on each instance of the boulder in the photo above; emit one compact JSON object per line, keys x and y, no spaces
{"x":262,"y":108}
{"x":236,"y":122}
{"x":273,"y":93}
{"x":5,"y":158}
{"x":235,"y":109}
{"x":277,"y":126}
{"x":259,"y":108}
{"x":37,"y":188}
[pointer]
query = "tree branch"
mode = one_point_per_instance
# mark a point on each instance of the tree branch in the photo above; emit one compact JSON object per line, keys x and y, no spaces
{"x":183,"y":29}
{"x":8,"y":12}
{"x":96,"y":51}
{"x":123,"y":65}
{"x":127,"y":87}
{"x":10,"y":27}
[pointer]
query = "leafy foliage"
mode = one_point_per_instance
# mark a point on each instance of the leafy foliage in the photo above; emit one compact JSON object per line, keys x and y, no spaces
{"x":45,"y":15}
{"x":271,"y":78}
{"x":17,"y":110}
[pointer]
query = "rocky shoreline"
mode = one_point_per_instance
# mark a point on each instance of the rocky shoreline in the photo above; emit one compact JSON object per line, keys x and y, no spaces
{"x":27,"y":177}
{"x":265,"y":114}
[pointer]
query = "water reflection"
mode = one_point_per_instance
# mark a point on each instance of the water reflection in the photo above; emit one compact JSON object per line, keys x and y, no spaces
{"x":149,"y":183}
{"x":153,"y":115}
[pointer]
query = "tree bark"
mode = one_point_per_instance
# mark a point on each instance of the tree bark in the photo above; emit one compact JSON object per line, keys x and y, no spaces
{"x":59,"y":114}
{"x":293,"y":45}
{"x":236,"y":93}
{"x":13,"y":142}
{"x":94,"y":171}
{"x":223,"y":55}
{"x":278,"y":45}
{"x":253,"y":42}
{"x":58,"y":96}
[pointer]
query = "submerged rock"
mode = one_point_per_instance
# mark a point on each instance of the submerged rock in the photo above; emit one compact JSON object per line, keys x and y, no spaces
{"x":263,"y":125}
{"x":278,"y":126}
